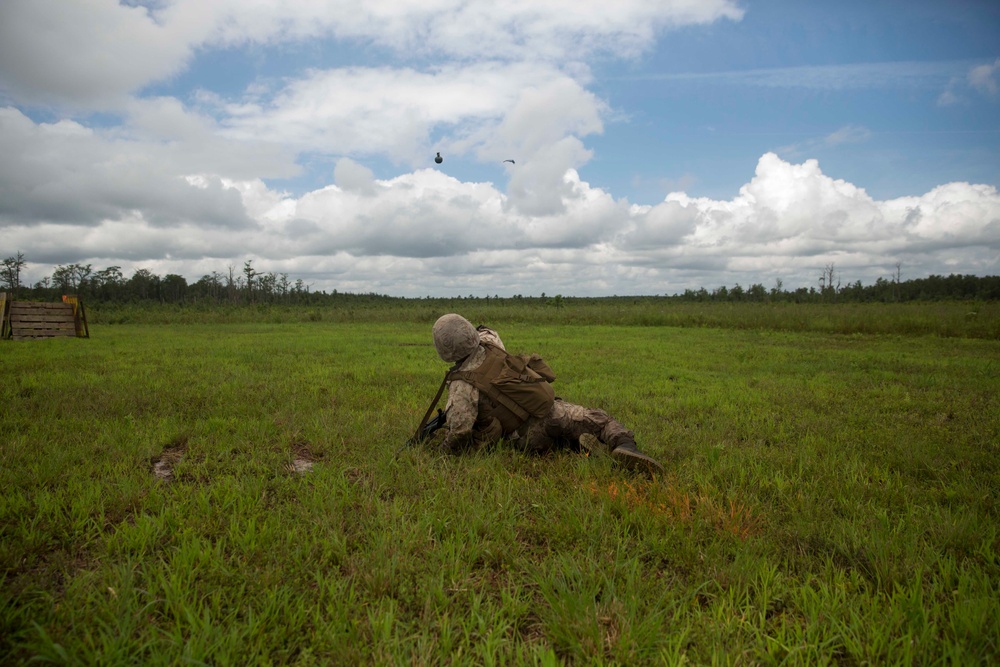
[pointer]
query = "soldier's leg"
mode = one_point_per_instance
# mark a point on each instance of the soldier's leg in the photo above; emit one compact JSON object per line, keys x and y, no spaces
{"x":564,"y":425}
{"x":567,"y":422}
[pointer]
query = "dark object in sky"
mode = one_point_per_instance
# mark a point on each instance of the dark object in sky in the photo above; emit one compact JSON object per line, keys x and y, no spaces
{"x":511,"y":161}
{"x":439,"y":159}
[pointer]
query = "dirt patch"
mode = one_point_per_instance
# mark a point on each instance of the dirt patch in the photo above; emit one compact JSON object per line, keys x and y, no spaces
{"x":162,"y":469}
{"x":163,"y":465}
{"x":303,"y":457}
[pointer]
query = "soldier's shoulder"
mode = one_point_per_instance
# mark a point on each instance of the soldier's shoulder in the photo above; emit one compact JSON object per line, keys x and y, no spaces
{"x":490,"y":336}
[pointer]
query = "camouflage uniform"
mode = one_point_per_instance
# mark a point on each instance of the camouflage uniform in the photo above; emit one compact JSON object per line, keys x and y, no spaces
{"x":564,"y":426}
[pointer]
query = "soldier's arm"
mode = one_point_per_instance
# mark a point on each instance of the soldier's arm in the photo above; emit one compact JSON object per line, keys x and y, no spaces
{"x":463,"y":406}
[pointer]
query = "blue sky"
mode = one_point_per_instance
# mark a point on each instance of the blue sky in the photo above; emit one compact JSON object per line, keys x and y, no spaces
{"x":658,"y":146}
{"x":791,"y":74}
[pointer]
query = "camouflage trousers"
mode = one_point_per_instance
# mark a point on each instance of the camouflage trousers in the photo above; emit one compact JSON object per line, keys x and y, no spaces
{"x":564,"y":425}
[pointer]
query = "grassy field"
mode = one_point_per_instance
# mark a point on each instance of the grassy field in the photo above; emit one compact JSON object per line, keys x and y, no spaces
{"x":234,"y":494}
{"x":961,"y":319}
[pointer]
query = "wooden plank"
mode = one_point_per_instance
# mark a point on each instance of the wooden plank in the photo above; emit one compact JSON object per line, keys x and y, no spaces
{"x":31,"y":331}
{"x":40,"y":322}
{"x":41,"y":305}
{"x":54,"y":308}
{"x":34,"y":321}
{"x":41,"y":317}
{"x":37,"y":336}
{"x":66,"y":311}
{"x":32,"y":312}
{"x":44,"y":327}
{"x":58,"y":308}
{"x":42,"y":313}
{"x":46,"y":312}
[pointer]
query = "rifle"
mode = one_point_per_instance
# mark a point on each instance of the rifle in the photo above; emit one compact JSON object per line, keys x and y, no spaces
{"x":429,"y":428}
{"x":427,"y":425}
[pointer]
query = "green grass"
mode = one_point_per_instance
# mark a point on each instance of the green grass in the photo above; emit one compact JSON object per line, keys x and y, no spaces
{"x":830,"y":499}
{"x":961,"y":319}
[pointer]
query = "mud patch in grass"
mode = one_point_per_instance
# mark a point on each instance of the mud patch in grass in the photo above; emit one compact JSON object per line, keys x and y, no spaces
{"x":303,"y":458}
{"x":163,"y":465}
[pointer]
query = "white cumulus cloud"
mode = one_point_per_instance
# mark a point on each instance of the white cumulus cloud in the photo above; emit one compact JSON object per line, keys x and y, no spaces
{"x":426,"y":232}
{"x":95,"y":53}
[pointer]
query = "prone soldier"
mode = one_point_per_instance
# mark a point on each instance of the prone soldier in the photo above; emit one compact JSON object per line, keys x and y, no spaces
{"x":494,"y":395}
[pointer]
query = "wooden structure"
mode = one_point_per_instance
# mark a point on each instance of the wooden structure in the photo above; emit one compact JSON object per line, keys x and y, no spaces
{"x":21,"y":320}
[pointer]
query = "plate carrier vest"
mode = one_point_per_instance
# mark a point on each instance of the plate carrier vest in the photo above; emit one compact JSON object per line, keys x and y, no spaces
{"x":516,"y":385}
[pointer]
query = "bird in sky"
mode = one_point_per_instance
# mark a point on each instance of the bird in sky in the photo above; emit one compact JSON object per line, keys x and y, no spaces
{"x":511,"y":161}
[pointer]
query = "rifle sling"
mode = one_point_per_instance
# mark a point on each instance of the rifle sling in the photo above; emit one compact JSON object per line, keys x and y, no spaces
{"x":427,"y":415}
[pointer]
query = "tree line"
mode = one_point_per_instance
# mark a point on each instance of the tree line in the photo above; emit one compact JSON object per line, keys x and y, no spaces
{"x":110,"y":285}
{"x":248,"y":286}
{"x":830,"y":289}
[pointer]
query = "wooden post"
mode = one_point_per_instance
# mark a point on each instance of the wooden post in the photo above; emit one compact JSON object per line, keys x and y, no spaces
{"x":83,"y":318}
{"x":79,"y":319}
{"x":3,"y":316}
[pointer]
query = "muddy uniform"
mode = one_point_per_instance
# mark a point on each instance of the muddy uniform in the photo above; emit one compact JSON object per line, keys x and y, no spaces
{"x":468,"y":408}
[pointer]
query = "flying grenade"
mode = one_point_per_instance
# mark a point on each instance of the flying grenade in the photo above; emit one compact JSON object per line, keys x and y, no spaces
{"x":439,"y":159}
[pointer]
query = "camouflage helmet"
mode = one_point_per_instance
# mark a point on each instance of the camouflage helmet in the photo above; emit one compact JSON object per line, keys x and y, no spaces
{"x":454,"y":337}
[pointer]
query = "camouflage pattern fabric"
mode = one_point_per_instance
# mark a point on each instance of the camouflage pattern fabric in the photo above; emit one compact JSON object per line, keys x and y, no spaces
{"x":463,"y":398}
{"x":567,"y":422}
{"x":563,"y":426}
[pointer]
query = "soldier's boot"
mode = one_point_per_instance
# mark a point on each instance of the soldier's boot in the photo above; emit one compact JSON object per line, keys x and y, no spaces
{"x":628,"y":456}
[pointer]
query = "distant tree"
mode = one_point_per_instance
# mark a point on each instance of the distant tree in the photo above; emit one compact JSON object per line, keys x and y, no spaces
{"x":804,"y":295}
{"x":826,"y":282}
{"x":72,"y":278}
{"x":83,"y":274}
{"x":853,"y":292}
{"x":283,"y":286}
{"x":756,"y":292}
{"x":11,"y":273}
{"x":44,"y":286}
{"x":108,"y":284}
{"x":881,"y":290}
{"x":267,"y":285}
{"x":249,"y":272}
{"x":63,"y":278}
{"x":173,"y":288}
{"x":777,"y":291}
{"x":208,"y":286}
{"x":143,"y":284}
{"x":232,"y":286}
